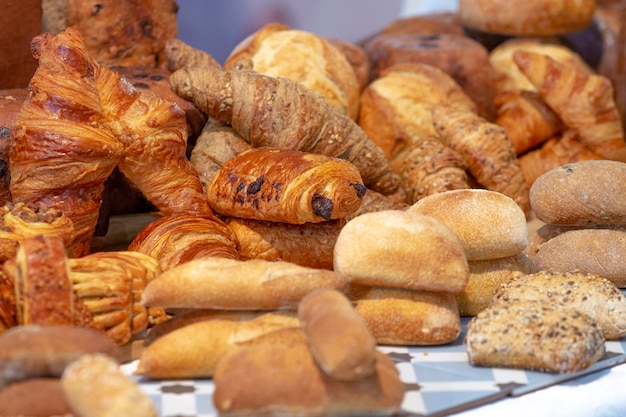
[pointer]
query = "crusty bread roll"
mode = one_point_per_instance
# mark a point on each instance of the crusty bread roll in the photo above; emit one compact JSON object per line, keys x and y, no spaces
{"x":195,"y":349}
{"x":527,"y":17}
{"x":338,"y":337}
{"x":285,"y":380}
{"x":583,"y":193}
{"x":590,"y":294}
{"x":95,"y":386}
{"x":591,"y":251}
{"x":536,"y":336}
{"x":42,"y":351}
{"x":397,"y":316}
{"x":35,"y":397}
{"x":489,"y":224}
{"x":485,"y":279}
{"x":402,"y":249}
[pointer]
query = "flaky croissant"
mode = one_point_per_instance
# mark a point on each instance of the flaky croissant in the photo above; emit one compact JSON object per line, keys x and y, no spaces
{"x":288,"y":186}
{"x":61,"y":154}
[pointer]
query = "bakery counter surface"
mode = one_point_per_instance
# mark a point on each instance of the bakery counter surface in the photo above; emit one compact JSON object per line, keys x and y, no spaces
{"x":440,"y":382}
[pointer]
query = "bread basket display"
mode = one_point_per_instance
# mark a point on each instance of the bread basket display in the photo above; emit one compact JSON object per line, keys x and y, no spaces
{"x":421,"y":222}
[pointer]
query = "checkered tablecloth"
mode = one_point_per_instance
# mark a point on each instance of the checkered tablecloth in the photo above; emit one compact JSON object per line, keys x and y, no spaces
{"x":439,"y":381}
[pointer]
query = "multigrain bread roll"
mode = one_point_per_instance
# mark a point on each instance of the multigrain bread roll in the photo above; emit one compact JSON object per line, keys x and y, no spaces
{"x":570,"y":195}
{"x":536,"y":336}
{"x":489,"y":224}
{"x":397,"y":316}
{"x":95,"y":386}
{"x":35,"y":397}
{"x":485,"y":279}
{"x":45,"y":351}
{"x":590,"y":294}
{"x":592,"y":251}
{"x":401,"y":249}
{"x":527,"y":17}
{"x":224,"y":283}
{"x":338,"y":337}
{"x":285,"y":380}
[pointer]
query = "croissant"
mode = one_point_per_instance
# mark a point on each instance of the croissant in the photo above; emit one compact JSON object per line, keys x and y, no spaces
{"x":60,"y":153}
{"x":585,"y":102}
{"x":288,"y":186}
{"x":179,"y":238}
{"x":153,"y":132}
{"x":282,"y":113}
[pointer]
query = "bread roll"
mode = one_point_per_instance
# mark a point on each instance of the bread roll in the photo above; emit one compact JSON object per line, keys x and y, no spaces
{"x":285,"y":380}
{"x":397,"y":316}
{"x":489,"y":224}
{"x":536,"y":336}
{"x":36,"y":397}
{"x":338,"y":337}
{"x":401,"y":249}
{"x":527,"y":17}
{"x":95,"y":386}
{"x":571,"y":195}
{"x":591,"y":251}
{"x":590,"y":294}
{"x":485,"y":279}
{"x":42,"y":351}
{"x":224,"y":283}
{"x":194,"y":350}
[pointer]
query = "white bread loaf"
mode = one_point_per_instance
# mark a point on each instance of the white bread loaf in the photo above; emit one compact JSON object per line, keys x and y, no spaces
{"x":401,"y":249}
{"x":490,"y":224}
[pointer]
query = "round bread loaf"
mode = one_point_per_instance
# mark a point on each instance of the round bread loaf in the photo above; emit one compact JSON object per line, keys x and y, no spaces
{"x":36,"y":397}
{"x":584,"y":193}
{"x":527,"y":17}
{"x":593,"y":251}
{"x":394,"y":248}
{"x":489,"y":224}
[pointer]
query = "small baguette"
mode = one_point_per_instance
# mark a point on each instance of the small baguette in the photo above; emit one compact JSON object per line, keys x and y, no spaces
{"x":534,"y":335}
{"x":44,"y":351}
{"x":401,"y":249}
{"x":397,"y":316}
{"x":338,"y":337}
{"x":222,"y":283}
{"x":590,"y":294}
{"x":95,"y":386}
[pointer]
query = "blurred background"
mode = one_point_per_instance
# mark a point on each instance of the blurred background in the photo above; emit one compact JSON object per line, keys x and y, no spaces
{"x":217,"y":26}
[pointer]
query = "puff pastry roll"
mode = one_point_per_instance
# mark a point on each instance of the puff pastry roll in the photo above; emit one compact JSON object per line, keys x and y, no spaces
{"x":284,"y":185}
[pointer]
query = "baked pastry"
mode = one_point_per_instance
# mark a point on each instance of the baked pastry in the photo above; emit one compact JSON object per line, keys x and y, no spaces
{"x":527,"y":17}
{"x":11,"y":100}
{"x":532,"y":335}
{"x":178,"y":238}
{"x":280,"y":51}
{"x":7,"y":303}
{"x":34,"y":397}
{"x":357,"y":58}
{"x":284,"y":185}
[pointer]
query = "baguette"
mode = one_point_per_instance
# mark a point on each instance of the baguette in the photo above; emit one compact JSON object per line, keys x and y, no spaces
{"x":224,"y":283}
{"x":590,"y":294}
{"x":338,"y":337}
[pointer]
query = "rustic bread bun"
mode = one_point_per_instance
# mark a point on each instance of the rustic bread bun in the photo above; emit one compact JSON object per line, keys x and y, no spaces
{"x":397,"y":316}
{"x":583,"y":193}
{"x":489,"y":224}
{"x":591,"y":251}
{"x":527,"y":17}
{"x":401,"y":249}
{"x":36,"y":397}
{"x":279,"y":51}
{"x":507,"y":335}
{"x":464,"y":59}
{"x":590,"y":294}
{"x":485,"y":279}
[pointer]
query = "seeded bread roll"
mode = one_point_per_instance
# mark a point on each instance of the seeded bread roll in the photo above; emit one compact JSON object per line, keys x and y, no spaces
{"x":401,"y":249}
{"x":585,"y":193}
{"x":536,"y":336}
{"x":490,"y":224}
{"x":590,"y":294}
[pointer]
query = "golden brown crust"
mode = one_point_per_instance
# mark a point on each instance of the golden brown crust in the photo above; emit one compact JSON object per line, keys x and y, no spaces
{"x":34,"y":397}
{"x":357,"y":58}
{"x":284,"y":185}
{"x":527,"y":17}
{"x":175,"y":239}
{"x":7,"y":303}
